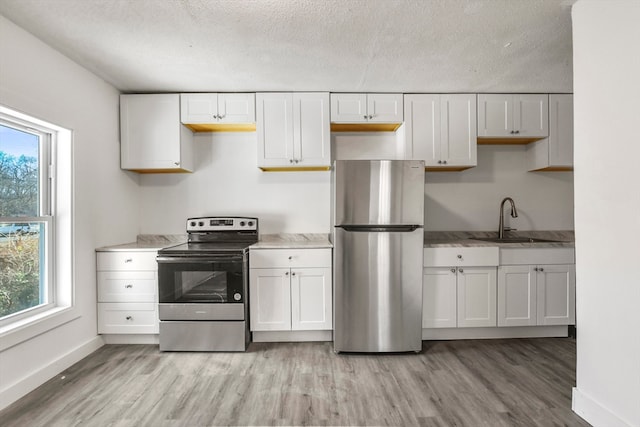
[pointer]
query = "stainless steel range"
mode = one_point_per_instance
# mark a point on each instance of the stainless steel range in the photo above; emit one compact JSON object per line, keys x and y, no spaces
{"x":203,"y":286}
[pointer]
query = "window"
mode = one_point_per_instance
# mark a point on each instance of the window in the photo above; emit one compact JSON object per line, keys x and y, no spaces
{"x":27,"y":225}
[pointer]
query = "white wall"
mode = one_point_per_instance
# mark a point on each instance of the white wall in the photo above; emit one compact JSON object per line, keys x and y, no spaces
{"x":39,"y":81}
{"x":227,"y":181}
{"x":606,"y":46}
{"x":470,"y":200}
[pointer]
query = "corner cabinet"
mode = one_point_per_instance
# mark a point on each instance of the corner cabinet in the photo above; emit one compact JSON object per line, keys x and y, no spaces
{"x":512,"y":118}
{"x":293,"y":131}
{"x":290,"y":290}
{"x":152,"y":139}
{"x":459,"y":287}
{"x":127,"y":292}
{"x":441,"y":130}
{"x":352,"y":112}
{"x":226,"y":112}
{"x":555,"y":153}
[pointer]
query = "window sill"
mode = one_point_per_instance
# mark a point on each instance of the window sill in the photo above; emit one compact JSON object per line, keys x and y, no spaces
{"x":26,"y":329}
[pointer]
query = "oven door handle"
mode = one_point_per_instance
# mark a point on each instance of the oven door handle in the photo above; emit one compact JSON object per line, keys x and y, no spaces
{"x":197,"y":259}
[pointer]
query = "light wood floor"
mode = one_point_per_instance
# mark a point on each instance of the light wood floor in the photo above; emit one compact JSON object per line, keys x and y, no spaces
{"x":523,"y":382}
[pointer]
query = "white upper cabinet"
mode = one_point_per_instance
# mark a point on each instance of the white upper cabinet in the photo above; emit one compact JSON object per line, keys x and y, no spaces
{"x":380,"y":111}
{"x":555,"y":153}
{"x":206,"y":112}
{"x":441,"y":130}
{"x":512,"y":118}
{"x":293,"y":131}
{"x":152,"y":139}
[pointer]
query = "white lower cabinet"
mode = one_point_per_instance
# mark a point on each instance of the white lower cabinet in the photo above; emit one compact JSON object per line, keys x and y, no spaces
{"x":459,"y":297}
{"x":127,"y":292}
{"x":542,"y":294}
{"x":459,"y":287}
{"x":290,"y":290}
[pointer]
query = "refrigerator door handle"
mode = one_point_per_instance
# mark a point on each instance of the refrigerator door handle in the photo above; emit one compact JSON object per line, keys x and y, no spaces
{"x":381,"y":228}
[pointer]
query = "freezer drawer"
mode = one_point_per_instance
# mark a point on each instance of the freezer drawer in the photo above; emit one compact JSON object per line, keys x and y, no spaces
{"x":377,"y":291}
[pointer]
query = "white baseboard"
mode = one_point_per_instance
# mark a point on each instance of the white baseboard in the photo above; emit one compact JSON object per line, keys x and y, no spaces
{"x":15,"y":391}
{"x":130,"y":338}
{"x":494,"y":333}
{"x":594,"y":413}
{"x":292,"y":336}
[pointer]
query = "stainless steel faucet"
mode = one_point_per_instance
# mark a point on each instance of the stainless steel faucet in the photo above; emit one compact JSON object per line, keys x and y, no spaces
{"x":514,"y":214}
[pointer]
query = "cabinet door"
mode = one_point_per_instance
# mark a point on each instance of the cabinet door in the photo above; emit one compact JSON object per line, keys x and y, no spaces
{"x":198,"y":108}
{"x":439,"y":298}
{"x":385,"y":108}
{"x":516,"y":295}
{"x":459,"y":130}
{"x":556,"y":294}
{"x":476,"y":296}
{"x":270,"y":299}
{"x":311,"y":299}
{"x":237,"y":108}
{"x":561,"y":130}
{"x":151,"y":133}
{"x":422,"y":128}
{"x":348,"y":108}
{"x":311,"y":132}
{"x":531,"y":115}
{"x":274,"y":125}
{"x":495,"y":115}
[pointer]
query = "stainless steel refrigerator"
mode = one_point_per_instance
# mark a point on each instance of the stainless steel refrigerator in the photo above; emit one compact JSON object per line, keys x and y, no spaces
{"x":378,"y":218}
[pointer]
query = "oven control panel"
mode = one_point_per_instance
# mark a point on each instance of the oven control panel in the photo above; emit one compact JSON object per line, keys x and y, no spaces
{"x":216,"y":223}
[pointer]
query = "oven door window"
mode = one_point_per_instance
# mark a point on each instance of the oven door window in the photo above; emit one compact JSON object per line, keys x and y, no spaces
{"x":200,"y":282}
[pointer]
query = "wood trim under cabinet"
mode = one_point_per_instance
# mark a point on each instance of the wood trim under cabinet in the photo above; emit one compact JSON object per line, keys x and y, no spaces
{"x":222,"y":127}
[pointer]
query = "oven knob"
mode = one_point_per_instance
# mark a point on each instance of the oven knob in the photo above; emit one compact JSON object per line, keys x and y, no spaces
{"x":250,"y":223}
{"x":201,"y":223}
{"x":237,"y":296}
{"x":241,"y":223}
{"x":193,"y":223}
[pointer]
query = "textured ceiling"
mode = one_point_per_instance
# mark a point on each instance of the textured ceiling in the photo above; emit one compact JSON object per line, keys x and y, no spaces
{"x":309,"y":45}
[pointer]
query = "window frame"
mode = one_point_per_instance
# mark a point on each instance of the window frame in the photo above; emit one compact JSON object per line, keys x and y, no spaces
{"x":56,"y":301}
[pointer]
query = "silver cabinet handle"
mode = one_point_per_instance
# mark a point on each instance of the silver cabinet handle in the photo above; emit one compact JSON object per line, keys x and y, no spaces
{"x":215,"y":116}
{"x":128,"y":260}
{"x":286,"y":274}
{"x":129,"y":317}
{"x":459,"y":256}
{"x":222,"y":116}
{"x":461,"y":270}
{"x":293,"y":273}
{"x":176,"y":163}
{"x":517,"y":131}
{"x":371,"y":116}
{"x":290,"y":258}
{"x":453,"y":270}
{"x":535,"y":269}
{"x":290,"y":160}
{"x":541,"y":269}
{"x":296,"y":161}
{"x":444,"y":162}
{"x":439,"y":162}
{"x":366,"y":117}
{"x":129,"y":286}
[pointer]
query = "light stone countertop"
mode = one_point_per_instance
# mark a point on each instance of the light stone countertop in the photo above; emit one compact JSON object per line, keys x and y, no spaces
{"x":448,"y":239}
{"x":147,"y":242}
{"x":293,"y":241}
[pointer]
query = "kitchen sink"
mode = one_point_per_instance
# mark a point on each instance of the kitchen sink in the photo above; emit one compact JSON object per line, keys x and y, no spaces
{"x":515,"y":240}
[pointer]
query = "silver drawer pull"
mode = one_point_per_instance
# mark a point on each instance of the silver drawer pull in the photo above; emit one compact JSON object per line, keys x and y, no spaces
{"x":128,"y":260}
{"x":129,"y":286}
{"x":129,"y":317}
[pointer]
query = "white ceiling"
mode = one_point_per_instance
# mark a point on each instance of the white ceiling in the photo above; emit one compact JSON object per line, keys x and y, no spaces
{"x":311,"y":45}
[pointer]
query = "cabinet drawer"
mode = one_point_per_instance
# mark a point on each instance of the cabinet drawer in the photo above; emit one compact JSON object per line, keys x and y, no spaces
{"x":285,"y":258}
{"x":537,"y":256}
{"x":127,"y":318}
{"x":127,"y":261}
{"x":127,"y":286}
{"x":451,"y":257}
